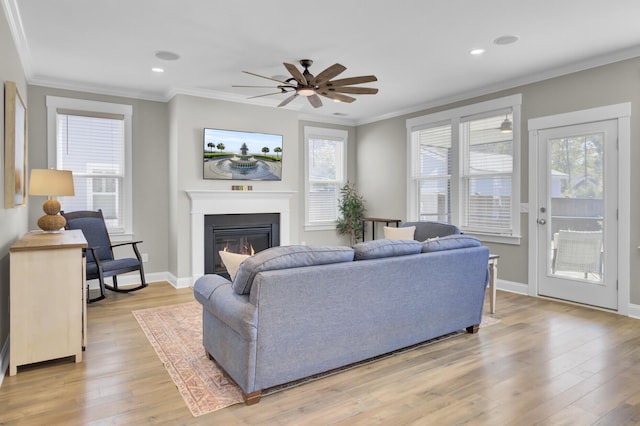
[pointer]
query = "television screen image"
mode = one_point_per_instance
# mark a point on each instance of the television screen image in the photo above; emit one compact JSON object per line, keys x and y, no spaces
{"x":237,"y":155}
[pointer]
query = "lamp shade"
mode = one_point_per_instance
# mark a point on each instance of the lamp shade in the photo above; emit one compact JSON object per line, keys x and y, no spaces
{"x":51,"y":182}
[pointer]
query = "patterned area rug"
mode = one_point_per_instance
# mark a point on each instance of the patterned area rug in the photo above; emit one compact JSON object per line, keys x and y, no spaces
{"x":175,"y":332}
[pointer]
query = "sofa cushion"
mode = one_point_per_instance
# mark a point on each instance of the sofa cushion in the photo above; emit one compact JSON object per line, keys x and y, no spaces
{"x":284,"y":257}
{"x":232,"y":261}
{"x":450,"y":242}
{"x":386,"y":248}
{"x":404,"y":233}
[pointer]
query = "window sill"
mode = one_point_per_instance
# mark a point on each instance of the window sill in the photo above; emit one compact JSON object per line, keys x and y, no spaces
{"x":121,"y":237}
{"x":491,"y":238}
{"x":323,"y":227}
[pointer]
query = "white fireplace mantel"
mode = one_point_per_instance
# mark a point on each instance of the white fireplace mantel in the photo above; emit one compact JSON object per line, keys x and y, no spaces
{"x":205,"y":202}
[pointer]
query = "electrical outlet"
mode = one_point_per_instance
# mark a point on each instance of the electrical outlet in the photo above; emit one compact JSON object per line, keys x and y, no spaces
{"x":145,"y":257}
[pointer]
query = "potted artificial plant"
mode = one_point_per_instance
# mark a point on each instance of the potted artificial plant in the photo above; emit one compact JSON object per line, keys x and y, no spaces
{"x":352,"y":211}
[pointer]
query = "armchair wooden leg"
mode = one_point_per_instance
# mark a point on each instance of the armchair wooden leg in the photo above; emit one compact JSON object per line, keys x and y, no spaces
{"x":95,"y":299}
{"x":115,"y":288}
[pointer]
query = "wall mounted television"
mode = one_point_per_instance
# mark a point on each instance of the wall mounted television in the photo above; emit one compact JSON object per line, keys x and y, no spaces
{"x":238,"y":155}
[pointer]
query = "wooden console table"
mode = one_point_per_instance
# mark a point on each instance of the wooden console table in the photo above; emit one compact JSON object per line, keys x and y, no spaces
{"x":375,"y":220}
{"x":48,"y":298}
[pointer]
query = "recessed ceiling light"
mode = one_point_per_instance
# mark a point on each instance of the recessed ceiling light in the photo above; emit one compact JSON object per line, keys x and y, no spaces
{"x":506,"y":39}
{"x":166,"y":55}
{"x":477,"y":52}
{"x":158,"y":70}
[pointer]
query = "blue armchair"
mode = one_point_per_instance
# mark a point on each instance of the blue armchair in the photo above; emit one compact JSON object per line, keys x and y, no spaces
{"x":426,"y":230}
{"x":100,"y":260}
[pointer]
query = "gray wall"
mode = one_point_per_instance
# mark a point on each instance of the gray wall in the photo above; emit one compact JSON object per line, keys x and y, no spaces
{"x":13,"y":221}
{"x":150,"y":152}
{"x":329,"y":236}
{"x":382,"y":154}
{"x":189,"y":115}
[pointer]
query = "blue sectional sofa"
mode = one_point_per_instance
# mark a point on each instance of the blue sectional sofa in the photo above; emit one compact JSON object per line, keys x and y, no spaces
{"x":295,"y":311}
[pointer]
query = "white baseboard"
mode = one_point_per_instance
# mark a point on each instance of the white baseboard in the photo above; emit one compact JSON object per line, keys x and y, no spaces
{"x":179,"y":282}
{"x":634,"y":311}
{"x":4,"y":359}
{"x":512,"y":287}
{"x":520,"y":288}
{"x":133,"y":279}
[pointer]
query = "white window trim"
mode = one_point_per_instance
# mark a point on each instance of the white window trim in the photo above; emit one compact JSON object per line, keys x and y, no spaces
{"x":54,"y":103}
{"x":321,"y":132}
{"x":454,"y":116}
{"x":622,"y":113}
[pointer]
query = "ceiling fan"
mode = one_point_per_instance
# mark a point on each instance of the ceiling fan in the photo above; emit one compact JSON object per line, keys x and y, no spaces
{"x":303,"y":83}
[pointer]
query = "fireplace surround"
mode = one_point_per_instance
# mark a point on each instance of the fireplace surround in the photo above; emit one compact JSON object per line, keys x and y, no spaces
{"x":208,"y":202}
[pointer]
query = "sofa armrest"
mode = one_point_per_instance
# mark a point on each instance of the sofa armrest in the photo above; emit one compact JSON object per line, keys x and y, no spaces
{"x":204,"y":286}
{"x":235,"y":310}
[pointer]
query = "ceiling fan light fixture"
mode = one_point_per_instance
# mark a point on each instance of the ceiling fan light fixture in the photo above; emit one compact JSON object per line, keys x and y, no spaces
{"x":306,"y":91}
{"x":303,"y":83}
{"x":506,"y":126}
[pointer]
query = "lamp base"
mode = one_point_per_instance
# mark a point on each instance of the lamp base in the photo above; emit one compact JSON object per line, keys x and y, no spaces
{"x":52,"y":221}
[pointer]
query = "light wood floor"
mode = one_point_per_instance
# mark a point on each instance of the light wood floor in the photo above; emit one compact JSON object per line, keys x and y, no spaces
{"x":545,"y":363}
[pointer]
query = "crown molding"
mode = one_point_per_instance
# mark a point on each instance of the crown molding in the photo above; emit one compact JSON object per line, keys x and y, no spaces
{"x":14,"y":20}
{"x":589,"y":63}
{"x":17,"y":32}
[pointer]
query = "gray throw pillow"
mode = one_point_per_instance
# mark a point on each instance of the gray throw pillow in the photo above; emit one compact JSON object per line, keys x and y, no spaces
{"x":376,"y":249}
{"x":450,"y":242}
{"x":284,"y":257}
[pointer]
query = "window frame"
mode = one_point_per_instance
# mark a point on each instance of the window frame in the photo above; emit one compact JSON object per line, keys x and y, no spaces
{"x":55,"y":103}
{"x":455,"y":117}
{"x":328,"y":134}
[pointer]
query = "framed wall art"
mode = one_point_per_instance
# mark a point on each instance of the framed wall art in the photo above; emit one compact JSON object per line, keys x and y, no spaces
{"x":238,"y":155}
{"x":15,"y":147}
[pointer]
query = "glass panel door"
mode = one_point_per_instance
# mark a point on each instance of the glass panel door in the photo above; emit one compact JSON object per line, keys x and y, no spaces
{"x":577,"y":219}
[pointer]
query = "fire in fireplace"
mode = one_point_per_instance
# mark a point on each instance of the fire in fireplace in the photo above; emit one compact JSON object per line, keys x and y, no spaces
{"x":237,"y":233}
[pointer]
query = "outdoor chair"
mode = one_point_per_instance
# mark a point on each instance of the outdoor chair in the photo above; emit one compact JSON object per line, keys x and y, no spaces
{"x":578,"y":251}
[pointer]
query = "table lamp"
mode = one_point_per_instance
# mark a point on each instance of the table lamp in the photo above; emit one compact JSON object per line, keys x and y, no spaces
{"x":52,"y":183}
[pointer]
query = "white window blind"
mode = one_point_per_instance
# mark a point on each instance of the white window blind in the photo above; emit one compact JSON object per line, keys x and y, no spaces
{"x":487,"y":174}
{"x":464,"y":170}
{"x":92,"y":147}
{"x":325,"y":169}
{"x":434,"y":176}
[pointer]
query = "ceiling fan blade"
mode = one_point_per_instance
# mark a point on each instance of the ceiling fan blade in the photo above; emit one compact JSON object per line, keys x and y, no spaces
{"x":337,"y":96}
{"x":260,"y":87}
{"x":262,"y":76}
{"x":295,"y":73}
{"x":315,"y":101}
{"x":289,"y":99}
{"x":350,"y":81}
{"x":267,"y":94}
{"x":354,"y":90}
{"x":327,"y":74}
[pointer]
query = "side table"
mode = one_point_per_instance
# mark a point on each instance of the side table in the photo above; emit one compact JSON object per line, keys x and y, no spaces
{"x":493,"y":276}
{"x":375,"y":220}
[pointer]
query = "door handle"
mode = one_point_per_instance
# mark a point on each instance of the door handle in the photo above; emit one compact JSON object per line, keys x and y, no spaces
{"x":541,"y":221}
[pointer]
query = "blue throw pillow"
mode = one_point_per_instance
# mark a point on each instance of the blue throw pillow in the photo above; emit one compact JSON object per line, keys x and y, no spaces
{"x":376,"y":249}
{"x":449,"y":242}
{"x":284,"y":257}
